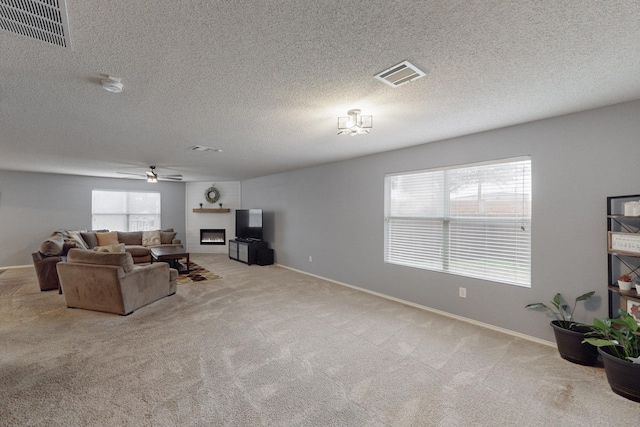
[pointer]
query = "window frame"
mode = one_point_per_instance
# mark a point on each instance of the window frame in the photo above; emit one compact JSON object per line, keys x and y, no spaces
{"x":425,"y":248}
{"x":127,"y":213}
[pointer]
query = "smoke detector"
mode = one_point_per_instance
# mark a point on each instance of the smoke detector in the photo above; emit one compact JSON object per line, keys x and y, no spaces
{"x":112,"y":84}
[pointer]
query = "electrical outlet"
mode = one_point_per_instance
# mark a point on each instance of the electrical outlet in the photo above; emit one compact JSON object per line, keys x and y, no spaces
{"x":462,"y":292}
{"x":310,"y":258}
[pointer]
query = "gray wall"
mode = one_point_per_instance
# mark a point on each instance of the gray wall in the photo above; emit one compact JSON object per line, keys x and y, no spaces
{"x":334,"y":213}
{"x":33,"y":205}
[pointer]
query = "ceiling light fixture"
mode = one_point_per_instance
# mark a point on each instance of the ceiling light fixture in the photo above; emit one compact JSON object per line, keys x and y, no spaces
{"x":152,"y":176}
{"x":112,"y":84}
{"x":354,"y":124}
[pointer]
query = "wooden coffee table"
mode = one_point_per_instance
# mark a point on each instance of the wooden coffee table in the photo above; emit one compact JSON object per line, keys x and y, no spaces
{"x":171,"y":255}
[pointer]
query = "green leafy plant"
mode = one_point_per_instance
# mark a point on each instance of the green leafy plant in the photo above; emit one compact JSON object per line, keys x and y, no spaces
{"x":619,"y":335}
{"x":560,"y":310}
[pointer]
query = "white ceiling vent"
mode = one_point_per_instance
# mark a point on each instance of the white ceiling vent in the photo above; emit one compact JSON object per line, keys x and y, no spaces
{"x":204,"y":149}
{"x":43,"y":20}
{"x":400,"y":74}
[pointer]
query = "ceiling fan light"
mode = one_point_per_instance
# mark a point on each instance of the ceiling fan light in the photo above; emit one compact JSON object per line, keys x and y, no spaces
{"x":354,"y":124}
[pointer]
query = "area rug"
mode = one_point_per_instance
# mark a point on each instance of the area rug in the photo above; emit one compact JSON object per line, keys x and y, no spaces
{"x":196,"y":274}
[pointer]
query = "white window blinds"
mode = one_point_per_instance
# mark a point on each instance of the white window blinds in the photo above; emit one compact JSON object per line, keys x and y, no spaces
{"x":125,"y":210}
{"x":472,"y":221}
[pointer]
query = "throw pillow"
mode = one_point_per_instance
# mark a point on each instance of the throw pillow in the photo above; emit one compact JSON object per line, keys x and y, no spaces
{"x":167,"y":237}
{"x":130,"y":237}
{"x":110,"y":238}
{"x":110,"y":248}
{"x":90,"y":239}
{"x":151,"y":238}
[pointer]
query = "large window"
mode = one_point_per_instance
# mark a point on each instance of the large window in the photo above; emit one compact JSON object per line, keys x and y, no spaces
{"x":125,"y":210}
{"x":472,"y":221}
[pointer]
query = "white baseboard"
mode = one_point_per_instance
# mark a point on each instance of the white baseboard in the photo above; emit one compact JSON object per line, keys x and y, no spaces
{"x":432,"y":310}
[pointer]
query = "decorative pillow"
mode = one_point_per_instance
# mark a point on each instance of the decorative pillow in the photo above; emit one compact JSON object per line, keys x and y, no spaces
{"x":89,"y":238}
{"x":52,"y":246}
{"x":151,"y":238}
{"x":130,"y":237}
{"x":167,"y":237}
{"x":110,"y":238}
{"x":110,"y":248}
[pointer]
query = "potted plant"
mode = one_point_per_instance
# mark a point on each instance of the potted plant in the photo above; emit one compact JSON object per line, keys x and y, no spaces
{"x":624,"y":282}
{"x":617,"y":341}
{"x":570,"y":335}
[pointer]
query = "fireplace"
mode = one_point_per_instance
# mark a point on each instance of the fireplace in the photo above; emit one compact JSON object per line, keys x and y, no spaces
{"x":213,"y":236}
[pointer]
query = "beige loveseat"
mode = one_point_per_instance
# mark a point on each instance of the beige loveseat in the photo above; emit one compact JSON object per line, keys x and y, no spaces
{"x":110,"y":282}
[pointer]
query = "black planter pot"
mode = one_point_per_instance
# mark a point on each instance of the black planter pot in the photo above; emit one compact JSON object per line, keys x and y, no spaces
{"x":623,"y":376}
{"x":570,"y":344}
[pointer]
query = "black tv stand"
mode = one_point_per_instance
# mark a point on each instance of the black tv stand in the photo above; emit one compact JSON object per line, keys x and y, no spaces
{"x":247,"y":240}
{"x":246,"y":250}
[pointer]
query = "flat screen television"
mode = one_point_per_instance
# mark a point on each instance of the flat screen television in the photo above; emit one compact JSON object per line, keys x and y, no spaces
{"x":249,"y":224}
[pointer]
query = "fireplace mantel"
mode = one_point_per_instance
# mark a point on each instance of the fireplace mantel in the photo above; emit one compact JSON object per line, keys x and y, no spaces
{"x":221,"y":210}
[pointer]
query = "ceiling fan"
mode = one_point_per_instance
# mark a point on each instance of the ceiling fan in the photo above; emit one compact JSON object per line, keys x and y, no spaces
{"x":152,"y":175}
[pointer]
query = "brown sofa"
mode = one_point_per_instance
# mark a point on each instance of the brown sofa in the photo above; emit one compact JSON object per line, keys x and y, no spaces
{"x":55,"y":248}
{"x":110,"y":282}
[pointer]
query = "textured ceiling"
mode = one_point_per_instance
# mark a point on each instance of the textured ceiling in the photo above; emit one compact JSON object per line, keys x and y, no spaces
{"x":265,"y":81}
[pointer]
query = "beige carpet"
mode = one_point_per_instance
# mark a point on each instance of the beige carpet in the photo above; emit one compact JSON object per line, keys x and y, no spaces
{"x":266,"y":346}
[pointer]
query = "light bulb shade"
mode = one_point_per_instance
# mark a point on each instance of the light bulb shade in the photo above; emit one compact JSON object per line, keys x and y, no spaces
{"x":112,"y":84}
{"x":354,"y":124}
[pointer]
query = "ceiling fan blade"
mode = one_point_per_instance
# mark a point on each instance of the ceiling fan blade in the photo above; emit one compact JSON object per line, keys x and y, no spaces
{"x":152,"y":174}
{"x":130,"y":173}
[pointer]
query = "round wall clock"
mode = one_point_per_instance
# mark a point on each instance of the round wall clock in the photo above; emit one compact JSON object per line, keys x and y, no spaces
{"x":212,"y":194}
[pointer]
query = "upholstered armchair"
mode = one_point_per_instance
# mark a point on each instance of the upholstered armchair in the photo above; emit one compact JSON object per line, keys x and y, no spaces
{"x":52,"y":251}
{"x":46,"y":271}
{"x":110,"y":282}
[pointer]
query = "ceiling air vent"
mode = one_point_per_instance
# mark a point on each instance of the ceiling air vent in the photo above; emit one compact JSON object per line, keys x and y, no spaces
{"x":400,"y":74}
{"x":204,"y":149}
{"x":42,"y":20}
